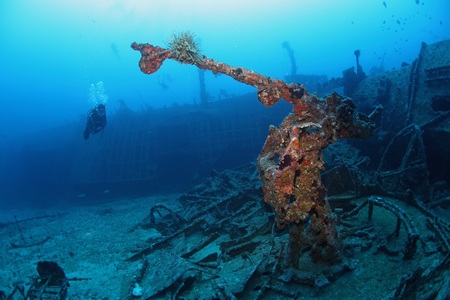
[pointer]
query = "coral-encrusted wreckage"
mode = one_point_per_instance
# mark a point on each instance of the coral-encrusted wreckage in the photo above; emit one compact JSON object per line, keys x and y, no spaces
{"x":289,"y":170}
{"x":291,"y":159}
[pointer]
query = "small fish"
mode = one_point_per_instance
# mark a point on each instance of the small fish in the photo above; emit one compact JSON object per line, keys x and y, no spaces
{"x":164,"y":86}
{"x":384,"y":4}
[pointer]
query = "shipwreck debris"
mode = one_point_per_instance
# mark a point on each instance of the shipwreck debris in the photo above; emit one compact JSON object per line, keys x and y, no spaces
{"x":236,"y":235}
{"x":216,"y":239}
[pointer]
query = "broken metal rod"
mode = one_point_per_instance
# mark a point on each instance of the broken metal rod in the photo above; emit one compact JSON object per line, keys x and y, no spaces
{"x":402,"y":217}
{"x":157,"y":208}
{"x":18,"y":227}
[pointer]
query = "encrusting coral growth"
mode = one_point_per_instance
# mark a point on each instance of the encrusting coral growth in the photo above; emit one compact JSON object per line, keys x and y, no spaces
{"x":291,"y":159}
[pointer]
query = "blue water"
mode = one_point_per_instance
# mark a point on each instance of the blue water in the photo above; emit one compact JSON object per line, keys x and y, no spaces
{"x":58,"y":58}
{"x":51,"y":51}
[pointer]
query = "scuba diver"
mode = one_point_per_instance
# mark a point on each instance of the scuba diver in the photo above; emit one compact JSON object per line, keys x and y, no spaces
{"x":96,"y":120}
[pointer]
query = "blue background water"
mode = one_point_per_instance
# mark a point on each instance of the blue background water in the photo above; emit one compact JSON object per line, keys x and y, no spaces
{"x":52,"y":51}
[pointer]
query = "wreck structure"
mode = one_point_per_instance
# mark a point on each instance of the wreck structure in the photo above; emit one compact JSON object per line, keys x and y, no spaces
{"x":140,"y":149}
{"x":389,"y":194}
{"x":291,"y":159}
{"x":415,"y":124}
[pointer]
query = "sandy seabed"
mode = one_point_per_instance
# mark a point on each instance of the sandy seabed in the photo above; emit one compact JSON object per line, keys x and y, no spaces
{"x":90,"y":242}
{"x":93,"y":243}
